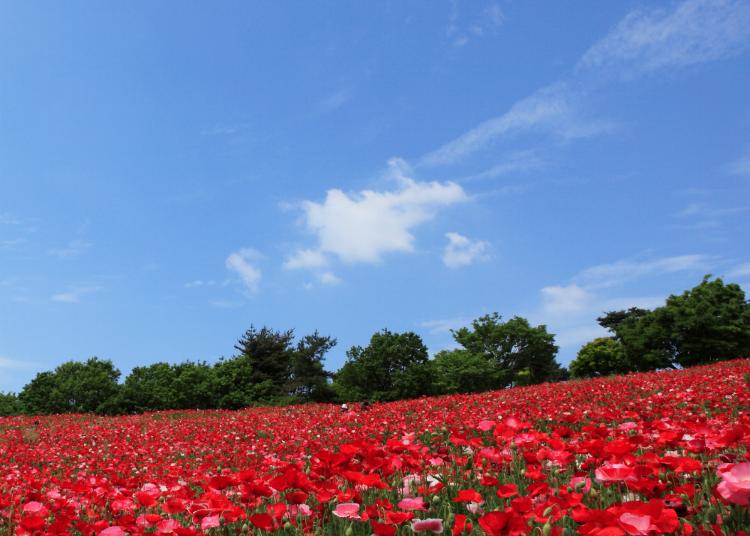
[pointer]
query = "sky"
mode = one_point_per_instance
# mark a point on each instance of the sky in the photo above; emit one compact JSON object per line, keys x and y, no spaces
{"x":172,"y":173}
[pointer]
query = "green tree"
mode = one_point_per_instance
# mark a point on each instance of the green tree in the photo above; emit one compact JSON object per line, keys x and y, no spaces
{"x":73,"y":387}
{"x":9,"y":404}
{"x":521,"y":353}
{"x":392,"y":367}
{"x":234,"y":383}
{"x":601,"y":357}
{"x":269,"y":357}
{"x":149,"y":388}
{"x":195,"y":385}
{"x":460,"y":371}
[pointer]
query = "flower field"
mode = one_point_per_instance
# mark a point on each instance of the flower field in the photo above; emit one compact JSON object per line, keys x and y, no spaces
{"x":658,"y":453}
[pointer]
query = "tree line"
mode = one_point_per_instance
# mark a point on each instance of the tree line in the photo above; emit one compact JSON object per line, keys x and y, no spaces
{"x":708,"y":323}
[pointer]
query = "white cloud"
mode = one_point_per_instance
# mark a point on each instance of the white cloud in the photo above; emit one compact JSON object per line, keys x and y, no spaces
{"x":565,"y":299}
{"x":605,"y":275}
{"x":329,"y":279}
{"x":74,"y":294}
{"x":306,"y":258}
{"x":741,"y":270}
{"x":365,"y":226}
{"x":461,"y":251}
{"x":696,"y":31}
{"x":241,"y":262}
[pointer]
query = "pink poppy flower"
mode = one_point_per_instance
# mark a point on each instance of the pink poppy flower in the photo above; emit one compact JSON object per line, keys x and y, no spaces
{"x":416,"y":503}
{"x":35,"y":508}
{"x":112,"y":531}
{"x":486,"y":426}
{"x":639,"y":525}
{"x":167,"y":526}
{"x":433,"y":525}
{"x":347,"y":511}
{"x":735,"y":484}
{"x":210,"y":522}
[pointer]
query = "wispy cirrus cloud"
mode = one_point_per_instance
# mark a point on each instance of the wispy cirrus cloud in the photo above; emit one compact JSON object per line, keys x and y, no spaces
{"x":740,"y":270}
{"x":616,"y":273}
{"x":696,"y":31}
{"x":644,"y":41}
{"x":553,"y":109}
{"x":462,"y":27}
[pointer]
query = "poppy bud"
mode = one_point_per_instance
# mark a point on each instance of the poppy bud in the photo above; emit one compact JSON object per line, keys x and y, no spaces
{"x":546,"y":529}
{"x":348,"y":531}
{"x":245,"y":528}
{"x":547,"y":511}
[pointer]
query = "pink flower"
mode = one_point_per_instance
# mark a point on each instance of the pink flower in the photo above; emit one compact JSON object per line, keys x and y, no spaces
{"x":167,"y":526}
{"x":735,"y":484}
{"x":35,"y":508}
{"x":416,"y":503}
{"x":112,"y":531}
{"x":635,"y":524}
{"x":295,"y":510}
{"x":347,"y":511}
{"x":427,"y":525}
{"x":485,"y":426}
{"x":210,"y":522}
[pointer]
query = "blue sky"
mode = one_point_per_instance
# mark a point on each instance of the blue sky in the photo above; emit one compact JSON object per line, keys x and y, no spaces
{"x":173,"y":172}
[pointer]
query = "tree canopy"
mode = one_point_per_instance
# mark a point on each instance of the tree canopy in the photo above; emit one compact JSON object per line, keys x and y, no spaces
{"x":600,"y":357}
{"x":520,"y":353}
{"x":393,"y":366}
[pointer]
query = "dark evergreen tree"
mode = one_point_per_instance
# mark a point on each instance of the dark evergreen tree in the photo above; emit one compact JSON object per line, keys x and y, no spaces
{"x":269,"y":356}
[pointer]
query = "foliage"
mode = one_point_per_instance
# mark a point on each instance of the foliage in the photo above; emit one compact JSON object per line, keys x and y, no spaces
{"x":9,"y":404}
{"x":393,"y":366}
{"x":460,"y":371}
{"x":519,"y":352}
{"x":600,"y":357}
{"x":269,"y":357}
{"x":73,"y":387}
